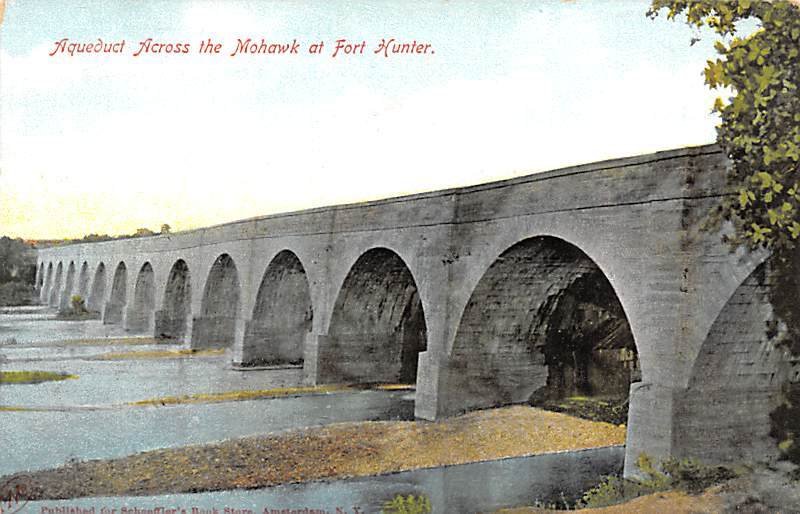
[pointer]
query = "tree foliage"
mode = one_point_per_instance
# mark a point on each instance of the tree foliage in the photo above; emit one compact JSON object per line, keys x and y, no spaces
{"x":760,"y":120}
{"x":17,"y":261}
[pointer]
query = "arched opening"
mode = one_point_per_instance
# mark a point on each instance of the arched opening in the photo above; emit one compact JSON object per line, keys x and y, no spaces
{"x":140,"y":315}
{"x":745,"y":377}
{"x":378,"y":325}
{"x":55,"y":290}
{"x":216,"y":326}
{"x":282,"y":315}
{"x":83,"y":281}
{"x":544,"y":326}
{"x":48,"y":282}
{"x":116,"y":303}
{"x":171,"y":321}
{"x":97,"y":294}
{"x":64,"y":303}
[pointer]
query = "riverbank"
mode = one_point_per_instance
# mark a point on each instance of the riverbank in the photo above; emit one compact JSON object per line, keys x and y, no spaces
{"x":94,"y":341}
{"x":757,"y":489}
{"x":33,"y":377}
{"x":326,"y":453}
{"x":674,"y":502}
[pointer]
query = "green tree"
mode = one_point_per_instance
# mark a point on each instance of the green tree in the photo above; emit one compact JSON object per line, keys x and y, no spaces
{"x":760,"y":120}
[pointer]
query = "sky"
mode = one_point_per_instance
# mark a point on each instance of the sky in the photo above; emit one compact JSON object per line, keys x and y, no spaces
{"x":108,"y":143}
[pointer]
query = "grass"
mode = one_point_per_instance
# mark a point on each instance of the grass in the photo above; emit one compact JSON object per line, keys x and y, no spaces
{"x":395,"y":387}
{"x":134,"y":341}
{"x":241,"y":395}
{"x":264,"y":394}
{"x":32,"y":377}
{"x":158,"y":354}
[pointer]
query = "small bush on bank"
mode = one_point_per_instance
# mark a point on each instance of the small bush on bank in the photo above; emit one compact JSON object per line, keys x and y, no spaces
{"x":78,"y":304}
{"x":683,"y":474}
{"x":77,"y":310}
{"x":407,"y":505}
{"x":608,"y":409}
{"x":693,"y":477}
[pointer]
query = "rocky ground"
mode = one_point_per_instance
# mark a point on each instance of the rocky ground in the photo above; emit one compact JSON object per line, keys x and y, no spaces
{"x":759,"y":491}
{"x":330,"y":452}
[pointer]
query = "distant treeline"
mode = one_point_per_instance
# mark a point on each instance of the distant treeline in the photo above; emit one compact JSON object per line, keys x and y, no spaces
{"x":17,"y":272}
{"x":18,"y":262}
{"x":96,"y":238}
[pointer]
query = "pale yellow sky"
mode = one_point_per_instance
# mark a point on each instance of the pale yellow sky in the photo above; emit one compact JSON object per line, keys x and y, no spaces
{"x":107,"y":144}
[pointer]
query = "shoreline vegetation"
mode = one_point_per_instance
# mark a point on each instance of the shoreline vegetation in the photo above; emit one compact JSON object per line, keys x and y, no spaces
{"x":79,"y":316}
{"x":158,"y":354}
{"x":220,"y":397}
{"x":245,"y":394}
{"x":98,"y":341}
{"x":32,"y":377}
{"x":329,"y":452}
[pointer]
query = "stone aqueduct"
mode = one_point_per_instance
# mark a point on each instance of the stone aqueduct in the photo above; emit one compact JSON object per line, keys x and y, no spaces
{"x":452,"y":286}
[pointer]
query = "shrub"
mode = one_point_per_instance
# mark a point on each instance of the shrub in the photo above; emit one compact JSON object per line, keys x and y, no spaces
{"x":685,"y":474}
{"x":608,"y":492}
{"x":78,"y":304}
{"x":407,"y":505}
{"x":692,"y":476}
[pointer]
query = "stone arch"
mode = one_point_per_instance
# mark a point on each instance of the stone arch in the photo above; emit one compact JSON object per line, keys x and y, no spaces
{"x":377,"y":327}
{"x":69,"y":285}
{"x":55,"y":290}
{"x":172,"y":320}
{"x":282,"y":315}
{"x":83,"y":281}
{"x":542,"y":323}
{"x":115,"y":308}
{"x":740,"y":374}
{"x":140,"y":315}
{"x":219,"y":311}
{"x":97,"y":294}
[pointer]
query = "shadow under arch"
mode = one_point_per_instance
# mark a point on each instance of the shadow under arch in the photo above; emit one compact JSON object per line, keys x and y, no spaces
{"x":741,"y":374}
{"x":40,"y":277}
{"x":216,"y":325}
{"x":377,"y":327}
{"x":542,"y":324}
{"x":55,"y":290}
{"x":97,"y":293}
{"x":83,"y":281}
{"x":115,"y":308}
{"x":172,"y":320}
{"x":140,"y":315}
{"x":282,"y":315}
{"x":69,"y":285}
{"x":48,"y":281}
